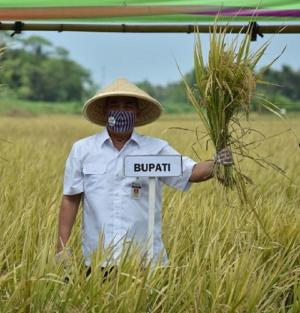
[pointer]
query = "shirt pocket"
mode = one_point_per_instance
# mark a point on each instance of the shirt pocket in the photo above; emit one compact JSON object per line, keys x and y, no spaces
{"x":98,"y":169}
{"x":94,"y":176}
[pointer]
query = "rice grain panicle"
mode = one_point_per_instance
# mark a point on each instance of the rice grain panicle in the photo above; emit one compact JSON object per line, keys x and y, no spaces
{"x":223,"y":91}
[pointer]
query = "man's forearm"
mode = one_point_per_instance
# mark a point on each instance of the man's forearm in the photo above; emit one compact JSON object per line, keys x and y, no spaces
{"x":67,"y":216}
{"x":202,"y":171}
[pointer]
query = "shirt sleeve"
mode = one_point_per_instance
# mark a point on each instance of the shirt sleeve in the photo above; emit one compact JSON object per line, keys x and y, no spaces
{"x":180,"y":182}
{"x":73,"y":178}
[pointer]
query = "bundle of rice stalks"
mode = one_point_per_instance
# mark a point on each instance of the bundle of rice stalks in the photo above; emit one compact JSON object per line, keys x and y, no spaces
{"x":224,"y":89}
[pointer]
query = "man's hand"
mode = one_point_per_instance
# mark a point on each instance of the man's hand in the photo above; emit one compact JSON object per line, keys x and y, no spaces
{"x":63,"y":256}
{"x":224,"y":157}
{"x":204,"y":170}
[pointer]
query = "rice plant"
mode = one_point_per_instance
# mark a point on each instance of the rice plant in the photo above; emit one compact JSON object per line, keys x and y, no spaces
{"x":220,"y":260}
{"x":222,"y":96}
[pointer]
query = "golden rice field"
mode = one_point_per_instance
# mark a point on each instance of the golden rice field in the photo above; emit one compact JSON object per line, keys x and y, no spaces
{"x":220,"y":258}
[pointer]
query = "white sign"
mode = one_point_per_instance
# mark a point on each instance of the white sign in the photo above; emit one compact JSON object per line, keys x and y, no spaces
{"x":153,"y":165}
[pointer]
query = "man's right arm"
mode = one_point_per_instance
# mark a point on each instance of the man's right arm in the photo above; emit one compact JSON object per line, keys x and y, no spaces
{"x":67,"y":216}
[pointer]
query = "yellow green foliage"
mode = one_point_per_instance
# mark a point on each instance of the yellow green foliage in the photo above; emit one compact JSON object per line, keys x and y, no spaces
{"x":220,"y":259}
{"x":225,"y":86}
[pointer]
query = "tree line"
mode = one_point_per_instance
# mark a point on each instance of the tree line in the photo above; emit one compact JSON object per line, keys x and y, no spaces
{"x":34,"y":69}
{"x":282,"y":89}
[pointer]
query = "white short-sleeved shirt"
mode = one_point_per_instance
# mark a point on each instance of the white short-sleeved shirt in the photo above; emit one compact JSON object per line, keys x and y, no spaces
{"x":95,"y":168}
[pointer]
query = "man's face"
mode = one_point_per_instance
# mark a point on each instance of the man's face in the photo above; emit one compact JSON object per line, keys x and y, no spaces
{"x":121,"y":113}
{"x":121,"y":103}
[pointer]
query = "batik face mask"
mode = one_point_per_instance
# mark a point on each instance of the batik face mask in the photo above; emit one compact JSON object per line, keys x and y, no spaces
{"x":120,"y":121}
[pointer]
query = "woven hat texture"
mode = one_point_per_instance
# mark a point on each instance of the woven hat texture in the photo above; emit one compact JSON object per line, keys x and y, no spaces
{"x":149,"y":108}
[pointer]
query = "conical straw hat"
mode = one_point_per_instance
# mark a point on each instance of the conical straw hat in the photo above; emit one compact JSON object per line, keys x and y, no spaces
{"x":150,"y":109}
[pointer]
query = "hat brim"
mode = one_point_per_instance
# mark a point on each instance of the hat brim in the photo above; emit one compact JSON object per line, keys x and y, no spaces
{"x":149,"y":108}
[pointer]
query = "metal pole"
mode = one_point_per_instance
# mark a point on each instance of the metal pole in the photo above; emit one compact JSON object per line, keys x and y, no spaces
{"x":151,"y":215}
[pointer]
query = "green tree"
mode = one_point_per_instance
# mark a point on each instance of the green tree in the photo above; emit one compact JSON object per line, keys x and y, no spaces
{"x":36,"y":70}
{"x":286,"y":83}
{"x":36,"y":45}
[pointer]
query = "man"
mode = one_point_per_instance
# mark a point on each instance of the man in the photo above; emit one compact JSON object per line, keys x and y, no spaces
{"x":113,"y":204}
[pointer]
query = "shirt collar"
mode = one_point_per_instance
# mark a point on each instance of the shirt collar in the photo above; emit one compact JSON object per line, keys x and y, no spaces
{"x":104,"y":137}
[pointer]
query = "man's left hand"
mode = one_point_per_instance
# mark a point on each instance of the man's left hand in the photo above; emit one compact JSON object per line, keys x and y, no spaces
{"x":224,"y":157}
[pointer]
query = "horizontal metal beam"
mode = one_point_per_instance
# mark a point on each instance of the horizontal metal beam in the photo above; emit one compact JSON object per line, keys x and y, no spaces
{"x":145,"y":28}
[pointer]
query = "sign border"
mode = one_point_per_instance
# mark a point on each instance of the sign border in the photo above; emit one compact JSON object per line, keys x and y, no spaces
{"x":153,"y":155}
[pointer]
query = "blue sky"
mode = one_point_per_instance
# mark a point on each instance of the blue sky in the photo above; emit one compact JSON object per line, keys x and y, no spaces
{"x":153,"y":56}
